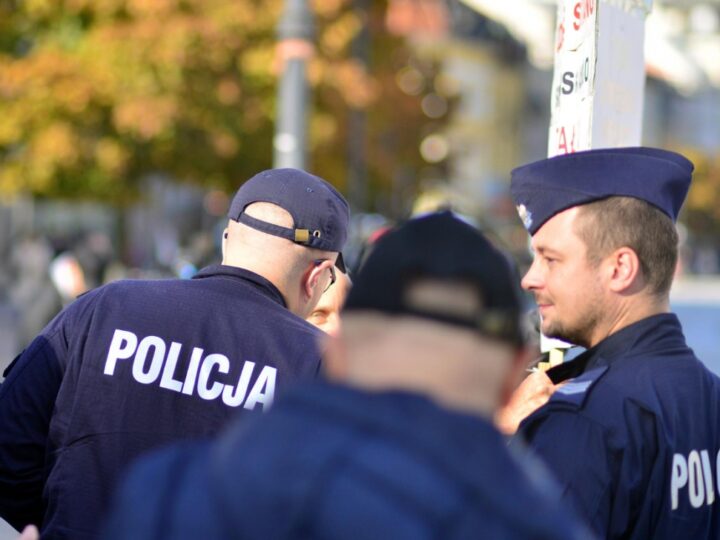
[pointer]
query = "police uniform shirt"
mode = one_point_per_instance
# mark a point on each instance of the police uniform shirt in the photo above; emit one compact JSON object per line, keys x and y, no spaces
{"x":130,"y":366}
{"x":634,"y":435}
{"x":334,"y":462}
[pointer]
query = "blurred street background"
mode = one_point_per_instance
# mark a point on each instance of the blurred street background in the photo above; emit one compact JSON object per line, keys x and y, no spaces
{"x":126,"y":125}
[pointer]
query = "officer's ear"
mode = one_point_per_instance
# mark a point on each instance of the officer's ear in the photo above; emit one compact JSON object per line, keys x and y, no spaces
{"x":312,"y":278}
{"x":622,"y":270}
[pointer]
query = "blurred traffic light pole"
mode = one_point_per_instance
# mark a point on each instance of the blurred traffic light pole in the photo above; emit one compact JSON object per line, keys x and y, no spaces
{"x":357,"y":120}
{"x":295,"y":34}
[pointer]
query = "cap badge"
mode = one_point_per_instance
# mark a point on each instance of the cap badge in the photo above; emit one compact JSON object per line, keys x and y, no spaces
{"x":525,"y":215}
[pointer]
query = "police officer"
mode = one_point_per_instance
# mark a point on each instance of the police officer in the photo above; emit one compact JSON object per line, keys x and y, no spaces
{"x":398,"y":443}
{"x":135,"y":364}
{"x":326,"y":314}
{"x":633,"y":434}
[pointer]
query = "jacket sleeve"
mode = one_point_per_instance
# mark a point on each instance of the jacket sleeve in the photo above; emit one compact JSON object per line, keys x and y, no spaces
{"x":576,"y":451}
{"x":27,"y":399}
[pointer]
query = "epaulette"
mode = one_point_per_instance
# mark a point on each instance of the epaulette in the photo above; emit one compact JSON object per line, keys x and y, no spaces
{"x":576,"y":390}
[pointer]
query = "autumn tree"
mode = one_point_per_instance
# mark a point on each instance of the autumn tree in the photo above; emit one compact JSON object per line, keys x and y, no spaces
{"x":95,"y":94}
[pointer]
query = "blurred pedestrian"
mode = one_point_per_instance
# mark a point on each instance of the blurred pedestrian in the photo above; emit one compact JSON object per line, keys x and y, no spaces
{"x":326,"y":315}
{"x":136,"y":364}
{"x":32,"y":293}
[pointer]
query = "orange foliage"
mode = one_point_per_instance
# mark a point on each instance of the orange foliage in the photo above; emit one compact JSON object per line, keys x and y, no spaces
{"x":96,"y":93}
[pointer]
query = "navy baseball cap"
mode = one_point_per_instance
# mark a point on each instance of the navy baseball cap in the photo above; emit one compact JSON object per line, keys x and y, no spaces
{"x":547,"y":187}
{"x":320,"y":214}
{"x":441,"y":247}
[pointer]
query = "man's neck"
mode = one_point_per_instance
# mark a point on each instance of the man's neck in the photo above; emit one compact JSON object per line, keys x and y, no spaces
{"x":447,"y":365}
{"x":270,"y":272}
{"x":630,"y":312}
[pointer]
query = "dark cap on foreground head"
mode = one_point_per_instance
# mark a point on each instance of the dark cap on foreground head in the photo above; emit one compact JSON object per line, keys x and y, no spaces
{"x":320,"y":214}
{"x":549,"y":186}
{"x":441,"y":247}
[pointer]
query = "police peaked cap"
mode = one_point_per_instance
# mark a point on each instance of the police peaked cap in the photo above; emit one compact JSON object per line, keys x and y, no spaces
{"x":547,"y":187}
{"x":320,"y":214}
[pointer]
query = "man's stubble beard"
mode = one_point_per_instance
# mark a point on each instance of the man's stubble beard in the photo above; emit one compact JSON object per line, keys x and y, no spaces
{"x":579,"y":332}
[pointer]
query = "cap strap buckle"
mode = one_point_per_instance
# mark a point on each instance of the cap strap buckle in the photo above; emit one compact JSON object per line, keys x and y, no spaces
{"x":302,"y":236}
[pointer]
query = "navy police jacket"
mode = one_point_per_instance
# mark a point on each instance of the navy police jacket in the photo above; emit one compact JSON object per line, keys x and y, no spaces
{"x":334,"y":462}
{"x":634,"y":435}
{"x":130,"y":366}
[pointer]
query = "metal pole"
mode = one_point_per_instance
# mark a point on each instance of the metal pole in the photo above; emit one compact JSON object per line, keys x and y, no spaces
{"x":357,"y":121}
{"x":295,"y":34}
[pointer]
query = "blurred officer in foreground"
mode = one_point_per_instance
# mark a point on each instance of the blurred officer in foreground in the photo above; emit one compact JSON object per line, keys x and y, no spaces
{"x":634,"y":433}
{"x":135,"y":364}
{"x":326,"y":314}
{"x":398,"y":443}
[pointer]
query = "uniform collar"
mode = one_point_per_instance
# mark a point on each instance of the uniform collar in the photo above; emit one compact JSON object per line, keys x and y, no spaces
{"x":658,"y":332}
{"x":262,"y":285}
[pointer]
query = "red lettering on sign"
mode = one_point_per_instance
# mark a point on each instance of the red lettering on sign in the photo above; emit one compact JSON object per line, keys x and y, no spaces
{"x":581,"y":11}
{"x":563,"y":146}
{"x":559,"y":37}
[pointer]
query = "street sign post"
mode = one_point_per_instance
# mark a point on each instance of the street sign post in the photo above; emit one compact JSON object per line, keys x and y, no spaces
{"x":599,"y":76}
